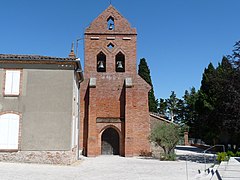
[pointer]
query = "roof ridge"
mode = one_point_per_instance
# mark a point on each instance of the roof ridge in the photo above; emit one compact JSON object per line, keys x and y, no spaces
{"x":33,"y":57}
{"x":158,"y":116}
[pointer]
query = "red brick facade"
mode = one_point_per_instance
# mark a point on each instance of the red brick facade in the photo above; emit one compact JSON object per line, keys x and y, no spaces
{"x":111,"y":99}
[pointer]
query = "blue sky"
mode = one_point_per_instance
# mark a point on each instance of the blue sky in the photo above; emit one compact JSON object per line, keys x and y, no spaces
{"x":178,"y":38}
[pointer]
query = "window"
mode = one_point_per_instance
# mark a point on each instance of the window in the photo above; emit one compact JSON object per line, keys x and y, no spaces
{"x":110,"y":46}
{"x":9,"y":131}
{"x":12,"y":82}
{"x":101,"y":62}
{"x":120,"y":62}
{"x":110,"y":23}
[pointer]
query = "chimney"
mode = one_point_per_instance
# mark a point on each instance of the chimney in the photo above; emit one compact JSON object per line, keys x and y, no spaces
{"x":72,"y":54}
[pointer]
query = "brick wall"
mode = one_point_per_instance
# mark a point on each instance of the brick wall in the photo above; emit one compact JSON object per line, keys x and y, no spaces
{"x":109,"y":97}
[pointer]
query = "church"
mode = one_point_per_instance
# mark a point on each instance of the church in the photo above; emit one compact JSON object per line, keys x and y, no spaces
{"x":114,"y":115}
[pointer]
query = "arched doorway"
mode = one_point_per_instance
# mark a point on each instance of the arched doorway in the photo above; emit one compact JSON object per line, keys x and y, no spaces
{"x":110,"y":142}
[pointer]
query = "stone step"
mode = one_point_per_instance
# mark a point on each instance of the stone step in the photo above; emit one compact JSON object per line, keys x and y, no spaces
{"x":229,"y":170}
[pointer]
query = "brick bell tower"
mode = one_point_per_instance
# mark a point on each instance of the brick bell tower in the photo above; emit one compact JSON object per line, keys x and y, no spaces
{"x":114,"y":99}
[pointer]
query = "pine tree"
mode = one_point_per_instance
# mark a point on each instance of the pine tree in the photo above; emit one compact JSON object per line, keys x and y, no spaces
{"x":236,"y":54}
{"x":144,"y":72}
{"x":228,"y":106}
{"x":162,"y":109}
{"x":189,"y":113}
{"x":172,"y":108}
{"x":172,"y":104}
{"x":208,"y":126}
{"x":218,"y":104}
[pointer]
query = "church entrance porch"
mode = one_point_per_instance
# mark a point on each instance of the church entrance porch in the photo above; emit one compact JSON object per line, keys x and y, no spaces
{"x":110,"y":142}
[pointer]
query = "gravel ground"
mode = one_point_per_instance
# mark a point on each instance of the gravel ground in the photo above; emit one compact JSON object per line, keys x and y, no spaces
{"x":103,"y":167}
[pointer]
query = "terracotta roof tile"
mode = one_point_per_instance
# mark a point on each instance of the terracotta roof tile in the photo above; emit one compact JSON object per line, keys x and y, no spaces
{"x":32,"y":57}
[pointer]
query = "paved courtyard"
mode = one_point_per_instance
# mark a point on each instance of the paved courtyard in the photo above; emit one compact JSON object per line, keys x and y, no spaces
{"x":103,"y":167}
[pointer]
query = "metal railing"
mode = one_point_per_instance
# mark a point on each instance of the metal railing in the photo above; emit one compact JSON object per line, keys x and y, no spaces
{"x":204,"y":153}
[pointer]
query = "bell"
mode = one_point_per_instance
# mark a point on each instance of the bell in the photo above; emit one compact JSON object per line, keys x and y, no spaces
{"x":119,"y":65}
{"x":100,"y":65}
{"x":111,"y":26}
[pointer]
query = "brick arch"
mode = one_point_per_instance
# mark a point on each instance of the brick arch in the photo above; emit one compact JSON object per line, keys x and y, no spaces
{"x":110,"y":140}
{"x":110,"y":126}
{"x":111,"y":15}
{"x":103,"y":50}
{"x":11,"y":112}
{"x":118,"y":50}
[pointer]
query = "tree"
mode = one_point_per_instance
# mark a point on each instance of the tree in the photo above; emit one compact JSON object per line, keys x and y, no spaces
{"x":162,"y":107}
{"x":218,"y":104}
{"x":213,"y":112}
{"x":207,"y":125}
{"x":236,"y":54}
{"x":172,"y":104}
{"x":172,"y":108}
{"x":166,"y":136}
{"x":189,"y":112}
{"x":144,"y":72}
{"x":228,"y":106}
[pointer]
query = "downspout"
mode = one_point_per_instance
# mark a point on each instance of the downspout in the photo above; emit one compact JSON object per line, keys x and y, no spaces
{"x":78,"y":144}
{"x":80,"y":78}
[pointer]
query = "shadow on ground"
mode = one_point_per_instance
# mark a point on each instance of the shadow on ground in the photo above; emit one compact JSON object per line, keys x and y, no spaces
{"x":190,"y":153}
{"x":194,"y":154}
{"x":189,"y":148}
{"x":198,"y":158}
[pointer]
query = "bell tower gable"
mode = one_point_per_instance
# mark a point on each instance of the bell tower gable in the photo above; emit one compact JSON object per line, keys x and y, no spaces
{"x":111,"y":32}
{"x":110,"y":21}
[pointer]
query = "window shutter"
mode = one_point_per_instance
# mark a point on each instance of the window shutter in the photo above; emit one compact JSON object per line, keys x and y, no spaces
{"x":12,"y":82}
{"x":8,"y":82}
{"x":15,"y":82}
{"x":9,"y":131}
{"x":3,"y":132}
{"x":13,"y":131}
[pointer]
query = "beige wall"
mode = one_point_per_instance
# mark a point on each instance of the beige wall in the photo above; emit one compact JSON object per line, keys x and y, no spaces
{"x":1,"y":84}
{"x":45,"y":104}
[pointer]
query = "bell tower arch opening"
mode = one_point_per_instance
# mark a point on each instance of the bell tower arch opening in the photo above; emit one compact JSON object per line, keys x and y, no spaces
{"x":110,"y":23}
{"x":120,"y":62}
{"x":101,"y":62}
{"x":110,"y":142}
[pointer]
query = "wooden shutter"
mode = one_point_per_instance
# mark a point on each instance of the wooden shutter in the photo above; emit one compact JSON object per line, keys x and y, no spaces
{"x":8,"y":82}
{"x":12,"y":82}
{"x":9,"y":131}
{"x":16,"y":82}
{"x":3,"y":132}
